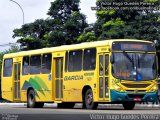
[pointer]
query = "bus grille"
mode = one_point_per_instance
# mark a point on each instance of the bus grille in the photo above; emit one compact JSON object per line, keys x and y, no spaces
{"x":136,"y":91}
{"x":135,"y":85}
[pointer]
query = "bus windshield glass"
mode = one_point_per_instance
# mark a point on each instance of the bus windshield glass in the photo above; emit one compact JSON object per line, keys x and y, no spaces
{"x":134,"y":66}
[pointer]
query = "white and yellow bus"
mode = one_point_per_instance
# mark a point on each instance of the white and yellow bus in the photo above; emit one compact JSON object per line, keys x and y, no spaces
{"x":121,"y":71}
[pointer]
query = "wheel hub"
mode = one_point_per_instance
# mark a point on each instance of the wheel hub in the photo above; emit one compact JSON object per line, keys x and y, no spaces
{"x":89,"y":99}
{"x":31,"y":101}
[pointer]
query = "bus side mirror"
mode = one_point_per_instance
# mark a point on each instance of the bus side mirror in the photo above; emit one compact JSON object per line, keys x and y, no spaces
{"x":112,"y":59}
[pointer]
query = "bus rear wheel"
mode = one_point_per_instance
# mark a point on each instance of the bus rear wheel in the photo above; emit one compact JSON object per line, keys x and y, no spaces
{"x":128,"y":105}
{"x":31,"y":100}
{"x":88,"y":100}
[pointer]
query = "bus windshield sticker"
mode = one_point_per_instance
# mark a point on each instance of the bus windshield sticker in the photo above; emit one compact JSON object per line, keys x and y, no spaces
{"x":89,"y":74}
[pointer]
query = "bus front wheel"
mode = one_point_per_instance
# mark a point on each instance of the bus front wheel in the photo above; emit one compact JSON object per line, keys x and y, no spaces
{"x":128,"y":105}
{"x":88,"y":100}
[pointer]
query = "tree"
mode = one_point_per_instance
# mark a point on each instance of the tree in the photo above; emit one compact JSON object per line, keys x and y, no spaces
{"x":32,"y":35}
{"x":144,"y":27}
{"x":138,"y":24}
{"x":69,"y":23}
{"x":88,"y":34}
{"x":64,"y":26}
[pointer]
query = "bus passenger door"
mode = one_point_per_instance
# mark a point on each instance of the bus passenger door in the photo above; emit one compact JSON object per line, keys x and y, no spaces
{"x":58,"y":82}
{"x":103,"y":76}
{"x":16,"y":91}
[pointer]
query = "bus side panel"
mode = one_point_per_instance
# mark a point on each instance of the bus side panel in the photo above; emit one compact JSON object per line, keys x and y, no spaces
{"x":7,"y":89}
{"x":7,"y":85}
{"x":72,"y":91}
{"x":24,"y":90}
{"x":42,"y":85}
{"x":74,"y":83}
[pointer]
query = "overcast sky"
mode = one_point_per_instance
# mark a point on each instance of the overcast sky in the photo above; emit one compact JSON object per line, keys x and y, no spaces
{"x":11,"y":15}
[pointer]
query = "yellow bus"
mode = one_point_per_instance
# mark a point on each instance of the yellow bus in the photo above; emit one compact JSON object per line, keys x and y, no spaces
{"x":120,"y":71}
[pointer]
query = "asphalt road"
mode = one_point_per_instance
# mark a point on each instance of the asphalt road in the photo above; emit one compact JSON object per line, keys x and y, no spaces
{"x":16,"y":111}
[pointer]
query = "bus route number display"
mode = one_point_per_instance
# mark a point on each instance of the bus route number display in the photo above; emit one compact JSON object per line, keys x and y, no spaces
{"x":134,"y":47}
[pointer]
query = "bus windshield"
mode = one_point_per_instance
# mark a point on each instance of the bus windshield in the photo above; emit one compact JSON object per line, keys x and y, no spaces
{"x":134,"y":66}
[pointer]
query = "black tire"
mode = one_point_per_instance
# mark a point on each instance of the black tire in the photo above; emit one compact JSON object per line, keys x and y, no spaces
{"x":31,"y":100}
{"x":88,"y":101}
{"x":128,"y":105}
{"x":66,"y":105}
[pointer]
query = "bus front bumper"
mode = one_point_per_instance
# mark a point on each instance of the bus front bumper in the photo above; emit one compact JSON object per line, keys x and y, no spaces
{"x":122,"y":96}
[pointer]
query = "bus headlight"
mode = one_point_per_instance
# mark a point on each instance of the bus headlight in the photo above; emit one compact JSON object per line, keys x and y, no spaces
{"x":154,"y":88}
{"x":117,"y":88}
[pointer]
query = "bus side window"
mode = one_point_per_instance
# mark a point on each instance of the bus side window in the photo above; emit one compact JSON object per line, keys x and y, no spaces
{"x":25,"y":68}
{"x":89,"y":59}
{"x":8,"y":64}
{"x":35,"y":64}
{"x":46,"y":63}
{"x":75,"y":61}
{"x":66,"y":62}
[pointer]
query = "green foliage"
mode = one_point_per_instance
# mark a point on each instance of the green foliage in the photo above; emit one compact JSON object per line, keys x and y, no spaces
{"x":113,"y":22}
{"x":68,"y":32}
{"x":32,"y":35}
{"x":62,"y":9}
{"x":144,"y":27}
{"x":154,"y":1}
{"x":64,"y":26}
{"x":121,"y":24}
{"x":88,"y":34}
{"x":87,"y":37}
{"x":67,"y":25}
{"x":69,"y":22}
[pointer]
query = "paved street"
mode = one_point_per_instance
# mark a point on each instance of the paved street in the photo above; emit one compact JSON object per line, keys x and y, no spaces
{"x":16,"y":111}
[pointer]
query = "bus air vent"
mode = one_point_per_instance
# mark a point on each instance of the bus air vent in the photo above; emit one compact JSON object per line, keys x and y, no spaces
{"x":135,"y":85}
{"x":138,"y":91}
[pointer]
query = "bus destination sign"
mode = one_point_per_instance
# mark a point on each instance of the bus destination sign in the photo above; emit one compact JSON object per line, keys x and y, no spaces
{"x":133,"y":46}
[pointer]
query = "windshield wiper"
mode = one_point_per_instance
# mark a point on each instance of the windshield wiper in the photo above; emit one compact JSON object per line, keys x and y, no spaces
{"x":129,"y":58}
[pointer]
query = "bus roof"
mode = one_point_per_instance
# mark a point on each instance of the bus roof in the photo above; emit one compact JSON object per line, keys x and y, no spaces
{"x":70,"y":47}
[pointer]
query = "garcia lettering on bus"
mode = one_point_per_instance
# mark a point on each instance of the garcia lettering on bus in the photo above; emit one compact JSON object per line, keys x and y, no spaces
{"x":76,"y":77}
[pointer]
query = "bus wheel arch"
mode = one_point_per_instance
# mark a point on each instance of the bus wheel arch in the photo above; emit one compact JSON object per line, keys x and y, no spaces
{"x":87,"y":97}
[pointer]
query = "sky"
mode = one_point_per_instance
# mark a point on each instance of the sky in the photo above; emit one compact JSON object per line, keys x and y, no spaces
{"x":11,"y":16}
